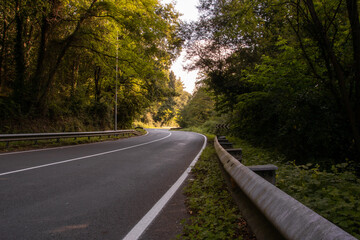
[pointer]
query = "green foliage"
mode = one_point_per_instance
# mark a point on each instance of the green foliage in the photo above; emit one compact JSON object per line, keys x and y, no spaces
{"x":199,"y":109}
{"x":8,"y":109}
{"x":101,"y":112}
{"x":57,"y":58}
{"x":333,"y":193}
{"x":214,"y":214}
{"x":210,"y":126}
{"x":286,"y":71}
{"x":166,"y":112}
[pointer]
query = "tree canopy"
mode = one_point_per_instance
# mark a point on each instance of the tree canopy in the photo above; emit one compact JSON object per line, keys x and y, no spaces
{"x":287,"y":71}
{"x":57,"y":58}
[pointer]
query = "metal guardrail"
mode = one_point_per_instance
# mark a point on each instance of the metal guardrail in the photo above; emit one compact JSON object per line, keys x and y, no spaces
{"x":45,"y":136}
{"x":270,"y":212}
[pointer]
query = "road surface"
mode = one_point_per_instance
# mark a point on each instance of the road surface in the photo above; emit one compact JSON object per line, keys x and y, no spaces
{"x":91,"y":191}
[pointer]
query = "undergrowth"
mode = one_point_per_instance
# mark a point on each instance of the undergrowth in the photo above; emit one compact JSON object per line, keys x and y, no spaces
{"x":334,"y":194}
{"x":214,"y":215}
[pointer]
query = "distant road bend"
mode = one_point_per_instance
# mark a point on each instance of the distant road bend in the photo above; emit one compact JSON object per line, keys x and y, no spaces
{"x":107,"y":190}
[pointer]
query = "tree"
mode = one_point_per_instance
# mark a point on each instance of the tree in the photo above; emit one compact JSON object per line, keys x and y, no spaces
{"x":327,"y":24}
{"x":278,"y":65}
{"x":167,"y":111}
{"x":198,"y":110}
{"x":57,"y":57}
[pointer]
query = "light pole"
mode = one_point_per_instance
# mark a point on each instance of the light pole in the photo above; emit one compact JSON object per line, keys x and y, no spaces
{"x":116,"y":80}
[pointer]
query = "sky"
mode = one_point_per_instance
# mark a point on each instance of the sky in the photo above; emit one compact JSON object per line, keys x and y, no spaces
{"x":190,"y":13}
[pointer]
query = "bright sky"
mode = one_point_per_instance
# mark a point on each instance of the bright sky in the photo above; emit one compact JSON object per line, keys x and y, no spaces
{"x":190,"y":13}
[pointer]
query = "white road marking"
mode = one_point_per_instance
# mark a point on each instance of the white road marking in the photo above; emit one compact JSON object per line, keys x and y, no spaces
{"x":144,"y":223}
{"x":62,"y":147}
{"x":80,"y":158}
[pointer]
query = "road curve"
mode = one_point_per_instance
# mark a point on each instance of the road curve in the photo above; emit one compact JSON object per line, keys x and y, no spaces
{"x":91,"y":191}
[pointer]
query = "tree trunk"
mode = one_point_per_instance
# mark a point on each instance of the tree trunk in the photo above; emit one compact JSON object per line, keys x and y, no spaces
{"x":2,"y":56}
{"x":74,"y":77}
{"x":18,"y":93}
{"x":353,"y":15}
{"x":97,"y":83}
{"x":335,"y":67}
{"x":52,"y":71}
{"x":36,"y":80}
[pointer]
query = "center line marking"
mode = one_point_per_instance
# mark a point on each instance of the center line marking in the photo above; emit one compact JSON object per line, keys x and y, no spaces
{"x":80,"y":158}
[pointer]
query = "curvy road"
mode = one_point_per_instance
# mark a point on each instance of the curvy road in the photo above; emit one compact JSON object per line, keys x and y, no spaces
{"x":108,"y":190}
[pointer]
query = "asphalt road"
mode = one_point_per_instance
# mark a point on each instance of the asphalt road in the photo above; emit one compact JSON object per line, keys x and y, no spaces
{"x":92,"y":191}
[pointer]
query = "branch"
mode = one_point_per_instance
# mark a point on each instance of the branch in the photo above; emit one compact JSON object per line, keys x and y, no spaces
{"x":333,"y":18}
{"x":304,"y":52}
{"x":101,"y":53}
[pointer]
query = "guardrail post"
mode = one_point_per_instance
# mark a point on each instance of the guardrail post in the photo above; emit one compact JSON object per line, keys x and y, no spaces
{"x":226,"y":145}
{"x":268,"y":172}
{"x":236,"y":153}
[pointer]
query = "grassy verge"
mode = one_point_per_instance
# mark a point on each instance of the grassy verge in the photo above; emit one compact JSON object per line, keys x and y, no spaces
{"x":214,"y":215}
{"x":333,"y":194}
{"x":29,"y":145}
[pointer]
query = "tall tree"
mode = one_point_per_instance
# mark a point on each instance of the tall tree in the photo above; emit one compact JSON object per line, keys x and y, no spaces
{"x":259,"y":53}
{"x":56,"y":45}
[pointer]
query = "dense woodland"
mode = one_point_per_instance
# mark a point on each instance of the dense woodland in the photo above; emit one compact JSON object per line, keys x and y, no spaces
{"x":285,"y":73}
{"x":285,"y":76}
{"x":58,"y":63}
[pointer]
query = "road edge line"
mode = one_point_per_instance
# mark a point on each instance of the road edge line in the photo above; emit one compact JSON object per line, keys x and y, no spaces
{"x":147,"y":219}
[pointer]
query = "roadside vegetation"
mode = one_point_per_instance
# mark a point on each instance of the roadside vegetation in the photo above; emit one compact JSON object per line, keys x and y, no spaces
{"x":214,"y":215}
{"x":333,"y":193}
{"x":285,"y":78}
{"x":284,"y":74}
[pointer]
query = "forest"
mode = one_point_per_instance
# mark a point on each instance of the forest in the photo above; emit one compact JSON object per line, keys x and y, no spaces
{"x":285,"y":77}
{"x":282,"y":74}
{"x":62,"y":61}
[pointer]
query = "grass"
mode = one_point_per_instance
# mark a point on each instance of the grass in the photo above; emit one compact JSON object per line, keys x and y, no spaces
{"x":30,"y":145}
{"x":214,"y":215}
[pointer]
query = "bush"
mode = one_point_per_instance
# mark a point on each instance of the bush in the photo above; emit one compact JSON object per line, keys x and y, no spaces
{"x":8,"y":109}
{"x":210,"y":126}
{"x":304,"y":126}
{"x":100,"y":113}
{"x":334,"y":194}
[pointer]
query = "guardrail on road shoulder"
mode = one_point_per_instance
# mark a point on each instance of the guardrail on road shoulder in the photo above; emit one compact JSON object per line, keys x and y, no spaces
{"x":282,"y":216}
{"x":44,"y":136}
